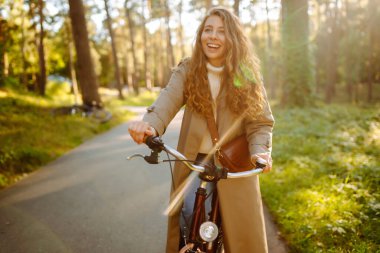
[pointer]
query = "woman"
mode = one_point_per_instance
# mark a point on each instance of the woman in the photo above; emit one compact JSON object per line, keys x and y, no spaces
{"x":222,"y":79}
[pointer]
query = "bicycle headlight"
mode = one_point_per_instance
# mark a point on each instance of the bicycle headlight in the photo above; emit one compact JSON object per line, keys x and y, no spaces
{"x":208,"y":231}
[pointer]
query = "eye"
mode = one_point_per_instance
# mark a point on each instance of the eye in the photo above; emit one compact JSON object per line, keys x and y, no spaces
{"x":207,"y":30}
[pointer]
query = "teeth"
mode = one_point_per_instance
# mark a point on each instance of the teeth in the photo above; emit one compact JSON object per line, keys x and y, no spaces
{"x":213,"y":45}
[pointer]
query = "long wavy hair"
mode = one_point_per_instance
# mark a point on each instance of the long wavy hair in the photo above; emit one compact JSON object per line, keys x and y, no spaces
{"x":240,"y":77}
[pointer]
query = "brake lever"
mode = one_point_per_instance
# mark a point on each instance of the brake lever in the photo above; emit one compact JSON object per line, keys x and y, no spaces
{"x":134,"y":155}
{"x":152,"y":158}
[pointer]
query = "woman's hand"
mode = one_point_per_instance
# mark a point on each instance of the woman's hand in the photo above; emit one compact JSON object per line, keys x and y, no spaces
{"x":264,"y":158}
{"x":139,"y":130}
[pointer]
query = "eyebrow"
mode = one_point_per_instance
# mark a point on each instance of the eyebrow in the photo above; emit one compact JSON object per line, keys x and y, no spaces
{"x":220,"y":27}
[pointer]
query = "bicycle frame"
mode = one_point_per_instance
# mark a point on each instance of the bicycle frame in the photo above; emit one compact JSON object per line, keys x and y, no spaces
{"x":199,"y":219}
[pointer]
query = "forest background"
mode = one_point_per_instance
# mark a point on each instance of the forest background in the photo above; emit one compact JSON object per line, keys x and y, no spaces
{"x":321,"y":67}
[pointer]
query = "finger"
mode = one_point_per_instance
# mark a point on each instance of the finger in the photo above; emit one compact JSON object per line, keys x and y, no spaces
{"x":263,"y":159}
{"x":268,"y":168}
{"x":135,"y":133}
{"x":149,"y":132}
{"x":132,"y":128}
{"x":259,"y":161}
{"x":140,"y":132}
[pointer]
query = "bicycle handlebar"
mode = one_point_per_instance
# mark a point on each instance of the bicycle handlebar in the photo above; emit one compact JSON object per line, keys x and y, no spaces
{"x":156,"y":145}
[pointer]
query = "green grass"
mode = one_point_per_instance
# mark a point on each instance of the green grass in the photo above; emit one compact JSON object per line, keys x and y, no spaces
{"x":30,"y":136}
{"x":324,"y":188}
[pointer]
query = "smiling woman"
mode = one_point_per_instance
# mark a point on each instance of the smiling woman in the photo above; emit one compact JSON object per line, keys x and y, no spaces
{"x":221,"y":81}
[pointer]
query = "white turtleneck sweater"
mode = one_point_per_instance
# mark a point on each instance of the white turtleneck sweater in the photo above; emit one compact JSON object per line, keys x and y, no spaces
{"x":213,"y":74}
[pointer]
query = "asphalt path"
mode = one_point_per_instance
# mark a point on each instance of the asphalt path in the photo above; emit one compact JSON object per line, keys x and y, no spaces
{"x":93,"y":200}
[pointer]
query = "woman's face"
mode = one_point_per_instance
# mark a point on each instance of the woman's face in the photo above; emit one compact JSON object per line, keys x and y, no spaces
{"x":213,"y":40}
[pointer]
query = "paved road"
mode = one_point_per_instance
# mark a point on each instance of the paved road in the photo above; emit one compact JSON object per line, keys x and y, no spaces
{"x":92,"y":200}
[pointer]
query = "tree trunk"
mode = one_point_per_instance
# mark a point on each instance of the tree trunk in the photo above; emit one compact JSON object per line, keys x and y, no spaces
{"x":41,"y":52}
{"x":374,"y":44}
{"x":34,"y":84}
{"x":270,"y":61}
{"x":86,"y":72}
{"x":351,"y":59}
{"x":156,"y":57}
{"x":332,"y":56}
{"x":132,"y":39}
{"x":319,"y":55}
{"x":3,"y":38}
{"x":295,"y":22}
{"x":180,"y":30}
{"x":126,"y":72}
{"x":73,"y":76}
{"x":162,"y":68}
{"x":236,"y":7}
{"x":24,"y":77}
{"x":169,"y":46}
{"x":114,"y":51}
{"x":146,"y":71}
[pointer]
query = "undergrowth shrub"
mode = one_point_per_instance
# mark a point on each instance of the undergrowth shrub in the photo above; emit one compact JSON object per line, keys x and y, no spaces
{"x":324,"y":188}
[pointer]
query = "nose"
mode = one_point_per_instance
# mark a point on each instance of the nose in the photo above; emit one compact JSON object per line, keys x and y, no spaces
{"x":214,"y":35}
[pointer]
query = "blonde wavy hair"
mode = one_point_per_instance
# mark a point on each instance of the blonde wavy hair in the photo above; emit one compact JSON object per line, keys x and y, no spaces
{"x":240,"y":77}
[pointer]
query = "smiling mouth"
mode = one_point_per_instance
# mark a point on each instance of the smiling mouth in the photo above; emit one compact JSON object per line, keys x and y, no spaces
{"x":213,"y":46}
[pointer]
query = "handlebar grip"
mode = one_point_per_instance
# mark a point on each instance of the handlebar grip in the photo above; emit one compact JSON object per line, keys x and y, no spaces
{"x":261,"y":163}
{"x":148,"y":140}
{"x":154,"y":142}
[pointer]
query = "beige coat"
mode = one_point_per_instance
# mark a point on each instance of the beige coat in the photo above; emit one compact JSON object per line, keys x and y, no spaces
{"x":240,"y":199}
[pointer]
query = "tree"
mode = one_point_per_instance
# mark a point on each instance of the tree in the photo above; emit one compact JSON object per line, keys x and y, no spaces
{"x":350,"y":61}
{"x":86,"y":73}
{"x":332,"y":44}
{"x":131,"y":28}
{"x":269,"y":55}
{"x":126,"y":72}
{"x":180,"y":29}
{"x":236,"y":7}
{"x":146,"y":71}
{"x":320,"y":51}
{"x":158,"y":56}
{"x":169,"y":46}
{"x":114,"y":50}
{"x":160,"y":10}
{"x":24,"y":78}
{"x":296,"y":86}
{"x":36,"y":9}
{"x":374,"y":44}
{"x":41,"y":51}
{"x":3,"y":41}
{"x":73,"y":76}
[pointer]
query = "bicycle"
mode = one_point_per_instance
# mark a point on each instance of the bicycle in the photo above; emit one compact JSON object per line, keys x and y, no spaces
{"x":95,"y":112}
{"x":205,"y":235}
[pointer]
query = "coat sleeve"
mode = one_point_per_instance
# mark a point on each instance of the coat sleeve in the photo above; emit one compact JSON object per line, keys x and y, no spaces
{"x":168,"y":103}
{"x":259,"y":131}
